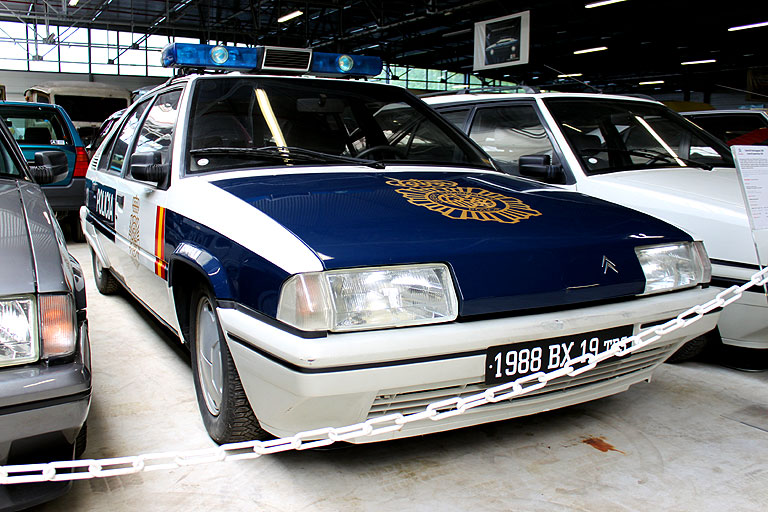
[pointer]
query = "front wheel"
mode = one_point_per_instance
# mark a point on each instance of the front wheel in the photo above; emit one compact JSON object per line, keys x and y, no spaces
{"x":225,"y":409}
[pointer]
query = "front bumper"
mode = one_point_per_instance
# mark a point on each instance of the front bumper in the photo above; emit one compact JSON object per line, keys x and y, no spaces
{"x":296,"y":384}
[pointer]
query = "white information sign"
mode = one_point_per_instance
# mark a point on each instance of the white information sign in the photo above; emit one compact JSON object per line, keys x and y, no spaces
{"x":752,"y":166}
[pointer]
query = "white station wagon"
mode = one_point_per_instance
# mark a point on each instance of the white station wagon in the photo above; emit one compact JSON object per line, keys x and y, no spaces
{"x":638,"y":153}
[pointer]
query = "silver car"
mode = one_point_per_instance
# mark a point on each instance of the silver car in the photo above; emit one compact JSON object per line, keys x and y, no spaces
{"x":45,"y":367}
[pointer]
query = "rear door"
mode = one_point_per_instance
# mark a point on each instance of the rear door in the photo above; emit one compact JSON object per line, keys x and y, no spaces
{"x":105,"y":194}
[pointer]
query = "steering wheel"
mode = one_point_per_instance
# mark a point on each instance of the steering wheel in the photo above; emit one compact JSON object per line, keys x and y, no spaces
{"x":397,"y":152}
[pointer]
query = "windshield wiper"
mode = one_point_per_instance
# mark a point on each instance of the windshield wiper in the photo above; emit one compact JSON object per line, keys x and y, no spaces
{"x":653,"y":156}
{"x":288,"y":154}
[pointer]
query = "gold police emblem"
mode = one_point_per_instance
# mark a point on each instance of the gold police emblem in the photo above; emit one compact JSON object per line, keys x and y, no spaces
{"x":463,"y":203}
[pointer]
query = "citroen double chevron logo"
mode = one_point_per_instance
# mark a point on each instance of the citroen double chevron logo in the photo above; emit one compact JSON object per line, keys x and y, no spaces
{"x":608,"y":265}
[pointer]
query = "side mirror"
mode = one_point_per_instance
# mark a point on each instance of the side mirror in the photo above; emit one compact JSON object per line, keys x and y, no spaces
{"x":50,"y":167}
{"x":148,"y":167}
{"x":539,"y":167}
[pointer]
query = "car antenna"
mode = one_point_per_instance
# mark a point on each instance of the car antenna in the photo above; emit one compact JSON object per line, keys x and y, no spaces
{"x":574,"y":79}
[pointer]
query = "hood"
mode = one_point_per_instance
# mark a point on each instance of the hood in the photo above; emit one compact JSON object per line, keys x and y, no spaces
{"x":511,"y":244}
{"x":34,"y":254}
{"x":17,"y":274}
{"x":707,"y":204}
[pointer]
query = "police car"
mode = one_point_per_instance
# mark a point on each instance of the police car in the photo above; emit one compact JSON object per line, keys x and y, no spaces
{"x":333,"y":250}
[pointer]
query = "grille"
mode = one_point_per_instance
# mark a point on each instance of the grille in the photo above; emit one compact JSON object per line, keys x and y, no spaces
{"x":286,"y":59}
{"x":416,"y":400}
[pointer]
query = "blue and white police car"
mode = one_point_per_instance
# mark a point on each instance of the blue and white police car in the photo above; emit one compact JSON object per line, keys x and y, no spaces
{"x":333,"y":250}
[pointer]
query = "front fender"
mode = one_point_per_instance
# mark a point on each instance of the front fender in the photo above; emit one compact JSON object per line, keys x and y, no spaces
{"x":206,"y":264}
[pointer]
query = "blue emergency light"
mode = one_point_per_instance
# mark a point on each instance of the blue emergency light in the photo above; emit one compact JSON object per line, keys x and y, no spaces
{"x":267,"y":59}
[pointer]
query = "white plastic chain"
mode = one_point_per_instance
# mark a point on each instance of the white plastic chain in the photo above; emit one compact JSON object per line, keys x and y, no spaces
{"x":102,"y":468}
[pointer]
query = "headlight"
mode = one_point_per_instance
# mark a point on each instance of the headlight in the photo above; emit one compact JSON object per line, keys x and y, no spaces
{"x":673,"y":266}
{"x":18,"y":331}
{"x":368,"y":298}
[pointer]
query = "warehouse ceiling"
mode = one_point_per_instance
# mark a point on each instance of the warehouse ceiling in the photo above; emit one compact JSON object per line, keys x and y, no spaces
{"x":646,"y":40}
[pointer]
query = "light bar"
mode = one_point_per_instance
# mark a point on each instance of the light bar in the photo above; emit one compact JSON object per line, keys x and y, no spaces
{"x":590,"y":50}
{"x":570,"y":75}
{"x":181,"y":55}
{"x":335,"y":64}
{"x":268,"y":59}
{"x":706,"y":61}
{"x":745,"y":27}
{"x":651,"y":82}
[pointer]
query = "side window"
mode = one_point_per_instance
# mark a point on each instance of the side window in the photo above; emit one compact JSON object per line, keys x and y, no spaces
{"x":507,"y":133}
{"x":156,"y":133}
{"x":457,"y":118}
{"x":113,"y":157}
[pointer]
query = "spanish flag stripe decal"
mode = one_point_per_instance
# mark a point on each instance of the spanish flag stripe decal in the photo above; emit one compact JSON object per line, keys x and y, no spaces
{"x":160,"y":265}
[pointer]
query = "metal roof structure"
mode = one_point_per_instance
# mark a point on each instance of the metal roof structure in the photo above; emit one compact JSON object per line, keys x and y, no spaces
{"x":646,"y":40}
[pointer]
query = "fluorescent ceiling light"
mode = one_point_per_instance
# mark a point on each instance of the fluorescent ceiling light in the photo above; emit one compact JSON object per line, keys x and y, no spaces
{"x":289,"y":16}
{"x":572,"y":75}
{"x":604,"y":2}
{"x":745,"y":27}
{"x":73,"y":3}
{"x":652,"y":82}
{"x":590,"y":50}
{"x":706,"y":61}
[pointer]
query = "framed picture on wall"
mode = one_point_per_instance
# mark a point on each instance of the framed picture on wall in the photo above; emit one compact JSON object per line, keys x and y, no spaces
{"x":502,"y":42}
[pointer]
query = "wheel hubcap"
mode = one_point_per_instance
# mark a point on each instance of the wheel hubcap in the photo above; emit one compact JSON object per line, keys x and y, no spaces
{"x":209,"y":364}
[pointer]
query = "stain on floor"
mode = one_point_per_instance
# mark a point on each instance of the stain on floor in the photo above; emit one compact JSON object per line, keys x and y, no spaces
{"x":599,"y":443}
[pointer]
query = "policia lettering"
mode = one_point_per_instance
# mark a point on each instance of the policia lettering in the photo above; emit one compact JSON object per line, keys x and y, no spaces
{"x":463,"y":203}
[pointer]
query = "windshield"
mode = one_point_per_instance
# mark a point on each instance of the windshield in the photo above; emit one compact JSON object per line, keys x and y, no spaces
{"x":615,"y":135}
{"x":237,"y":122}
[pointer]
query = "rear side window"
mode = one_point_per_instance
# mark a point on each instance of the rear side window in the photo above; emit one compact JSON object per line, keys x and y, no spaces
{"x":36,"y":126}
{"x":457,"y":118}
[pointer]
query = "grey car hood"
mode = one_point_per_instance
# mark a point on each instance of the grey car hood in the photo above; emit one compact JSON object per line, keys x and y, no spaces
{"x":31,"y":254}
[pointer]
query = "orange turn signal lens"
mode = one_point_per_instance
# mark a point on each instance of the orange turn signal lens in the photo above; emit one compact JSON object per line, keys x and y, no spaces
{"x":57,"y":325}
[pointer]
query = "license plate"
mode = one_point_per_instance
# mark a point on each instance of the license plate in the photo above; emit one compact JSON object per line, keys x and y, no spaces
{"x":505,"y":363}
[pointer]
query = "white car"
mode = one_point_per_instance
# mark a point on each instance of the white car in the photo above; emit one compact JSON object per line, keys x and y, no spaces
{"x":333,"y":251}
{"x":638,"y":153}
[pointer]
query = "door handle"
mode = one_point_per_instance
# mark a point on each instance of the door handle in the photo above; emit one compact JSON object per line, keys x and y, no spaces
{"x":120,"y":200}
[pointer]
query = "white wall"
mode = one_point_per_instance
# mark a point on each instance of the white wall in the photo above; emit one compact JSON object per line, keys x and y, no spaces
{"x":16,"y":82}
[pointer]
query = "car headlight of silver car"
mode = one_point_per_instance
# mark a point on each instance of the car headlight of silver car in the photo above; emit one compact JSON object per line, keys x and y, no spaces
{"x":673,"y":266}
{"x":18,"y":331}
{"x":25,"y":321}
{"x":368,"y":298}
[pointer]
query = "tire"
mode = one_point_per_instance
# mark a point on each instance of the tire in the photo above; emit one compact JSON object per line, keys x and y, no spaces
{"x":696,"y":347}
{"x":105,"y":281}
{"x":224,"y":407}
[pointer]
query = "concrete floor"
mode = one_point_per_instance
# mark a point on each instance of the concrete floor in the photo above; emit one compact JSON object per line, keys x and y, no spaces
{"x":696,"y":438}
